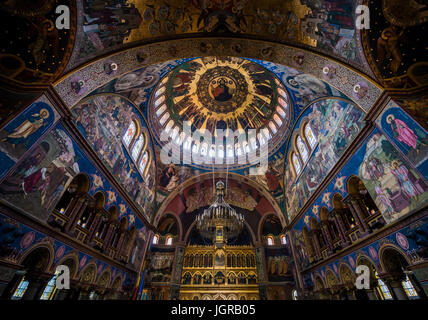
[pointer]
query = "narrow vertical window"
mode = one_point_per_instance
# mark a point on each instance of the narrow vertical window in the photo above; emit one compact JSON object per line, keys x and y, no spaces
{"x":143,"y":162}
{"x":129,"y":134}
{"x":296,"y":164}
{"x":302,"y":149}
{"x":310,"y":136}
{"x":137,"y":147}
{"x":20,"y":291}
{"x":155,"y":239}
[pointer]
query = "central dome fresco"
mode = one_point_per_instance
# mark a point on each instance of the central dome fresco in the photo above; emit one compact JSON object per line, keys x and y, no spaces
{"x":213,"y":93}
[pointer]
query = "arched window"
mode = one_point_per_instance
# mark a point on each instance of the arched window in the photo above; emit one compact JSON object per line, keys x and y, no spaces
{"x":383,"y":289}
{"x":310,"y":136}
{"x":129,"y":134}
{"x":302,"y":149}
{"x":50,"y":288}
{"x":155,"y":239}
{"x":168,"y":241}
{"x":272,"y":127}
{"x":137,"y":147}
{"x":281,"y":111}
{"x":283,"y":239}
{"x":277,"y":120}
{"x":143,"y":162}
{"x":19,"y":292}
{"x":408,"y":287}
{"x":270,"y":241}
{"x":164,"y":118}
{"x":161,"y":110}
{"x":296,"y":164}
{"x":159,"y":101}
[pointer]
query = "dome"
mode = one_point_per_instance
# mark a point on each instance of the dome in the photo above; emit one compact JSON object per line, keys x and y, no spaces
{"x":222,"y":97}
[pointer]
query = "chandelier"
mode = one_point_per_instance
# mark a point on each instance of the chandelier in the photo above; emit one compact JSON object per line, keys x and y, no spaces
{"x":220,"y":221}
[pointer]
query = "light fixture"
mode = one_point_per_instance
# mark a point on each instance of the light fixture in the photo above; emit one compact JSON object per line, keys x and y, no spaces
{"x":220,"y":221}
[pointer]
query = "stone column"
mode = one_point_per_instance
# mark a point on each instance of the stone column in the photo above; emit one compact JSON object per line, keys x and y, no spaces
{"x":308,"y":245}
{"x":313,"y":235}
{"x":398,"y":289}
{"x":340,"y":227}
{"x":353,"y":203}
{"x":94,"y":227}
{"x":35,"y":288}
{"x":120,"y":245}
{"x":109,"y":235}
{"x":327,"y":236}
{"x":75,"y":212}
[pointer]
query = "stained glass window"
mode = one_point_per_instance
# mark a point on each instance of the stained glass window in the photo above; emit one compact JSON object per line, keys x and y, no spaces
{"x":310,"y":136}
{"x":155,"y":239}
{"x":143,"y":162}
{"x":137,"y":147}
{"x":408,"y":287}
{"x":302,"y":149}
{"x":296,"y":163}
{"x":270,"y":241}
{"x":49,"y":289}
{"x":19,"y":292}
{"x":129,"y":134}
{"x":383,"y":289}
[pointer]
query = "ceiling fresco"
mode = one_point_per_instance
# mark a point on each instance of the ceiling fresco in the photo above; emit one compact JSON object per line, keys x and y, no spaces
{"x":36,"y":51}
{"x":324,"y":25}
{"x":220,"y":93}
{"x":395,"y":26}
{"x":175,"y":81}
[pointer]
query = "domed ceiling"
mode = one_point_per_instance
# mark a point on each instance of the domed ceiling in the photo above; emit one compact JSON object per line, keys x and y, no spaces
{"x":220,"y":93}
{"x":213,"y":93}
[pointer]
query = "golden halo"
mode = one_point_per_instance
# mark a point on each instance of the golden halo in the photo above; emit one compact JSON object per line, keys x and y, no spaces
{"x":44,"y":113}
{"x":389,"y":118}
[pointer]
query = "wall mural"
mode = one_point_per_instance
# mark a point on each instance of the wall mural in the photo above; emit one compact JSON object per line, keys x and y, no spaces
{"x":335,"y":124}
{"x":36,"y":50}
{"x":303,"y":88}
{"x":394,"y":185}
{"x":161,"y":263}
{"x":417,"y":107}
{"x":327,"y":25}
{"x":412,"y":240}
{"x":278,"y":263}
{"x":17,"y":239}
{"x":399,"y":25}
{"x":410,"y":138}
{"x":38,"y":182}
{"x":22,"y":132}
{"x":103,"y":121}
